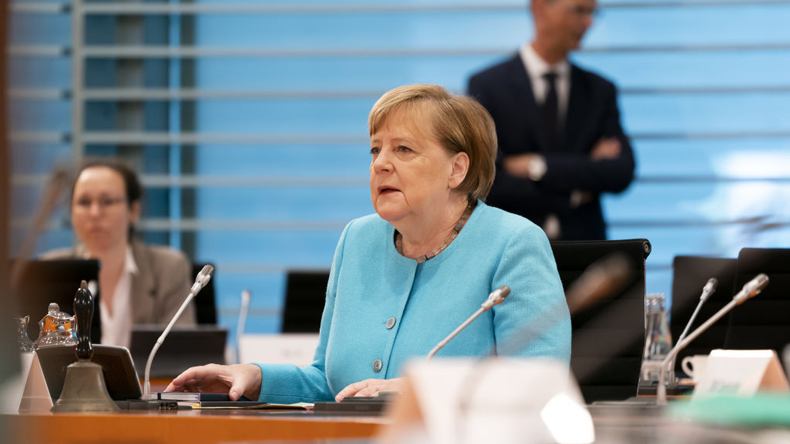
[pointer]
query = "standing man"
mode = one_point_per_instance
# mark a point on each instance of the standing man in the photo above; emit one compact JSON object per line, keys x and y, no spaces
{"x":560,"y":140}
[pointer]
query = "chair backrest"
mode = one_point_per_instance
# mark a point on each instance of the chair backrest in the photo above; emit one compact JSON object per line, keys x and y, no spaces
{"x":762,"y":322}
{"x":205,"y":301}
{"x":305,"y":294}
{"x":45,"y":281}
{"x":609,"y":337}
{"x":690,"y":274}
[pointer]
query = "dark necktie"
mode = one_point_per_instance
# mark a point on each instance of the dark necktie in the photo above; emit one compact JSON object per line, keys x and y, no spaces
{"x":551,"y":111}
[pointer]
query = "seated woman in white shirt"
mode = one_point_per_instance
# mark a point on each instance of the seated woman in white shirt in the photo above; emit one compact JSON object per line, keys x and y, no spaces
{"x":138,"y":283}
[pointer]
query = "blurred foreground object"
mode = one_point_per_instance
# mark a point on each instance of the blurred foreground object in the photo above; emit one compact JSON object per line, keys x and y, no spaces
{"x":500,"y":400}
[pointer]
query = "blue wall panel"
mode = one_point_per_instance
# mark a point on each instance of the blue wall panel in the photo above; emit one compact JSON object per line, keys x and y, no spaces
{"x":688,"y":75}
{"x":338,"y":73}
{"x":285,"y":160}
{"x":284,"y":203}
{"x":678,"y":69}
{"x":675,"y":113}
{"x":291,"y":249}
{"x":304,"y":117}
{"x":734,"y":158}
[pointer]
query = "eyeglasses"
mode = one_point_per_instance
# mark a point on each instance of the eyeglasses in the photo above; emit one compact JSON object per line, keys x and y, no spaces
{"x":85,"y":204}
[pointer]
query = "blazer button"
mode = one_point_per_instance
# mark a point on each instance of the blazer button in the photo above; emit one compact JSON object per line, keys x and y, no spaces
{"x":377,"y":365}
{"x":390,"y":323}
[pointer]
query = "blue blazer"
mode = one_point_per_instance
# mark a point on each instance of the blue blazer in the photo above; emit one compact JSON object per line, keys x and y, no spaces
{"x":383,"y":309}
{"x":506,"y":92}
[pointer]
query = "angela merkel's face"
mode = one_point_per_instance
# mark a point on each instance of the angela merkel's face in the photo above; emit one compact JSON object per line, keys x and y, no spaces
{"x":411,"y":174}
{"x":100,"y":212}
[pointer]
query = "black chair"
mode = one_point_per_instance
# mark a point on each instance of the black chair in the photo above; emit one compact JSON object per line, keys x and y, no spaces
{"x":762,"y":322}
{"x":305,"y":295}
{"x":44,"y":281}
{"x":608,"y":338}
{"x":205,"y":303}
{"x":690,"y":274}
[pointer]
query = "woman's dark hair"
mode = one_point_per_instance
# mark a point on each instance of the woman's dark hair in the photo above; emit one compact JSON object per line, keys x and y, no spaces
{"x":134,"y":189}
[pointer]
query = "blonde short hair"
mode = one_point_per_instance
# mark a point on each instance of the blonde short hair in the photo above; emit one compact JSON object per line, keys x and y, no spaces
{"x":459,"y":124}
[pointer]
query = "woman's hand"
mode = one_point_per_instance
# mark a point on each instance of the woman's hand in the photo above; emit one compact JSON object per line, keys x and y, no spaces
{"x":235,"y":380}
{"x":370,"y":387}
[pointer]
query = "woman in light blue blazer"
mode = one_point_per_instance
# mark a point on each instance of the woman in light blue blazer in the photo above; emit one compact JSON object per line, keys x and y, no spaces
{"x":404,"y":278}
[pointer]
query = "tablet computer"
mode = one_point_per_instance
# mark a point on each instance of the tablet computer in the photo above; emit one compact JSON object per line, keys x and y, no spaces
{"x":183,"y":348}
{"x":120,"y":376}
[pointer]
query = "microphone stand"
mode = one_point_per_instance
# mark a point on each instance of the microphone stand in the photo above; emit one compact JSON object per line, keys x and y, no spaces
{"x":496,"y":297}
{"x":707,"y":292}
{"x":245,"y":306}
{"x":202,"y":279}
{"x":761,"y":280}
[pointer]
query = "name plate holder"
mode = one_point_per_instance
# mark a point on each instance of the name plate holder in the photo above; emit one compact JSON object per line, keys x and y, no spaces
{"x":35,"y":396}
{"x":742,"y":373}
{"x":502,"y":400}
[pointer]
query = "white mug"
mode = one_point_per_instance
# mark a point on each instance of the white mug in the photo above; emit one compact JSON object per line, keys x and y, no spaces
{"x":695,"y":366}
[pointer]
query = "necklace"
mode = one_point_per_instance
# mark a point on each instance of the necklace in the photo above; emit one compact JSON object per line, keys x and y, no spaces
{"x":450,"y":238}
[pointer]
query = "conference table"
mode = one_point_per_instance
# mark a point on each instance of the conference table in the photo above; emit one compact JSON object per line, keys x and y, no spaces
{"x":186,"y":427}
{"x":613,"y":425}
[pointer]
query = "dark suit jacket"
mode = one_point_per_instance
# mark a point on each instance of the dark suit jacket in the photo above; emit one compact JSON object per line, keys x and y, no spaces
{"x":158,"y":290}
{"x":506,"y":92}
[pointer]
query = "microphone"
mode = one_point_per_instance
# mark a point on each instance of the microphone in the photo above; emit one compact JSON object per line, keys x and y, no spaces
{"x":599,"y":281}
{"x":245,"y":306}
{"x":200,"y":281}
{"x":707,"y":292}
{"x":495,"y":298}
{"x":750,"y":290}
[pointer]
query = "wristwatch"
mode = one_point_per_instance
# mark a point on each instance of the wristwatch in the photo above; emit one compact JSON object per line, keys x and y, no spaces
{"x":537,"y":167}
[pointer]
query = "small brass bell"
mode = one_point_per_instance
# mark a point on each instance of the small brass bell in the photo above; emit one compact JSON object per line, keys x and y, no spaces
{"x":84,"y":389}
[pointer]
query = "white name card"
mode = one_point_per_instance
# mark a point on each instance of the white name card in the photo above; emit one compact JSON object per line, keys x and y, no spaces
{"x":297,"y":349}
{"x":499,"y":400}
{"x":742,"y":373}
{"x":11,"y":390}
{"x":35,"y":397}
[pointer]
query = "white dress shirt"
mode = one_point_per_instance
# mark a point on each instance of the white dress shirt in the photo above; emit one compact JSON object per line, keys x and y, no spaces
{"x":117,"y":329}
{"x":537,"y":67}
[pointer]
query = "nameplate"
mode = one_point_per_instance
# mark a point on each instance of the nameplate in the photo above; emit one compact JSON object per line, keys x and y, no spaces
{"x":742,"y":373}
{"x":11,"y":390}
{"x":35,"y":397}
{"x":297,"y":349}
{"x":500,"y":400}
